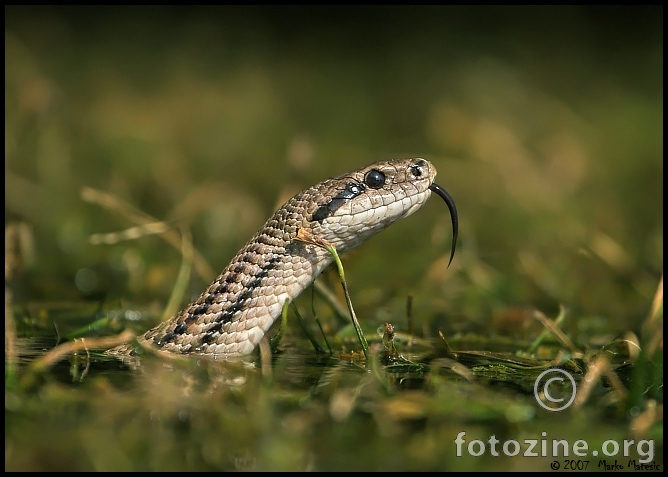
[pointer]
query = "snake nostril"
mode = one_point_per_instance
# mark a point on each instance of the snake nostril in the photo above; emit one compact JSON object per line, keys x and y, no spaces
{"x":418,"y":167}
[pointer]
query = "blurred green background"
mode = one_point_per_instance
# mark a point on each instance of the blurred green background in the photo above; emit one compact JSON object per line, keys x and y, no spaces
{"x":545,"y":124}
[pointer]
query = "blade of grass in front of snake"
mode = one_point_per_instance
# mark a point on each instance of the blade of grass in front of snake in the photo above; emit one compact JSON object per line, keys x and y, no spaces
{"x":360,"y":335}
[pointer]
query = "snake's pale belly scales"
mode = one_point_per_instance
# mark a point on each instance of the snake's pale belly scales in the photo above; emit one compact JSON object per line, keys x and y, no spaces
{"x":233,"y":314}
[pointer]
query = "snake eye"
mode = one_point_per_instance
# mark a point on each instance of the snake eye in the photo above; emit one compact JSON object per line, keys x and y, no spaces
{"x":416,"y":170}
{"x":374,"y":179}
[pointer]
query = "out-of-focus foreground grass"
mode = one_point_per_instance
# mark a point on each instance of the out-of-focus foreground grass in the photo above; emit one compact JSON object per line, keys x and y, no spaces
{"x":545,"y":124}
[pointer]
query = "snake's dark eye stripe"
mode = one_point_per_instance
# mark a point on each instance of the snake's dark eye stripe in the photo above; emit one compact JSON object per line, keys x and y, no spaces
{"x":352,"y":190}
{"x":374,"y":179}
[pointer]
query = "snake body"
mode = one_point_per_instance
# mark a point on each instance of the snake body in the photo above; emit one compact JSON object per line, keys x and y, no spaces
{"x":232,"y":315}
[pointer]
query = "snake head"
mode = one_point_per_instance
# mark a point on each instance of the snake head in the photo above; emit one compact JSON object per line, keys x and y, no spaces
{"x":350,"y":208}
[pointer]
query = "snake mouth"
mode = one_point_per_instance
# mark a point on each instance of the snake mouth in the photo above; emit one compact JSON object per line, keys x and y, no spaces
{"x":453,"y":215}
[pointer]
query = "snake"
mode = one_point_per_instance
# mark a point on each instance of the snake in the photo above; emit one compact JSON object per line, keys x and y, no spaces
{"x":232,"y":315}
